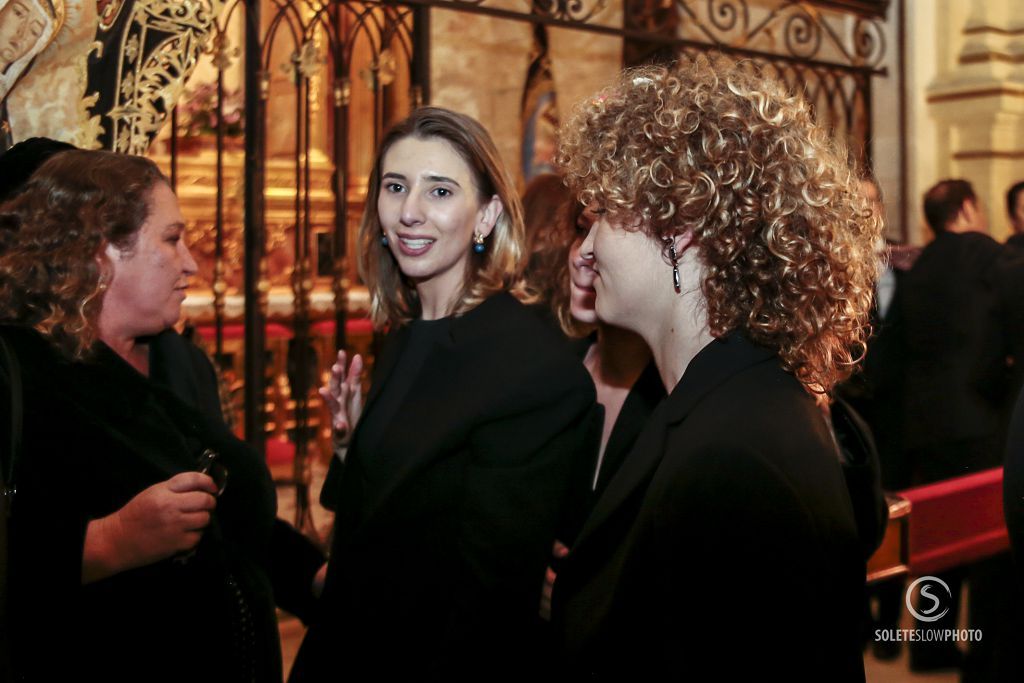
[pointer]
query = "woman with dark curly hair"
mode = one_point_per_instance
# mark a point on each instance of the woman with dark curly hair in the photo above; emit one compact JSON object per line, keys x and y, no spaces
{"x":730,"y":236}
{"x":123,"y":557}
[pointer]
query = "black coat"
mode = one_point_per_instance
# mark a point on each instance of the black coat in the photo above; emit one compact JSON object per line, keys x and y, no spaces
{"x":956,"y":375}
{"x":724,"y":541}
{"x":179,"y":365}
{"x":1009,"y":277}
{"x":876,"y":390}
{"x":1013,"y":487}
{"x":436,"y":569}
{"x":96,"y":433}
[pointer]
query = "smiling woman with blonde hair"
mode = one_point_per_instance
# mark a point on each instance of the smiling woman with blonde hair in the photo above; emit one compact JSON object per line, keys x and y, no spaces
{"x":731,"y":237}
{"x":452,"y":484}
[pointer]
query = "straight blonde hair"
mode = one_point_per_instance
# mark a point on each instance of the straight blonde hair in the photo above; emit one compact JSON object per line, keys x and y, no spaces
{"x":393,"y":299}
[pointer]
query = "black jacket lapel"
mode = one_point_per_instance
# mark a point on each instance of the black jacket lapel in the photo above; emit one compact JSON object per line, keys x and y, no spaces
{"x":384,"y":364}
{"x":640,"y":403}
{"x":716,"y":362}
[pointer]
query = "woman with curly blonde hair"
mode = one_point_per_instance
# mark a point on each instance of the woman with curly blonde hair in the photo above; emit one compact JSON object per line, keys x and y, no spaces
{"x":731,"y":237}
{"x":452,"y":485}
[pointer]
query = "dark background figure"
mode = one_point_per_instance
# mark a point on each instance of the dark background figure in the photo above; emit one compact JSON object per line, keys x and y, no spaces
{"x":876,"y":394}
{"x":1015,"y":211}
{"x":1009,"y":277}
{"x":548,"y":217}
{"x":619,"y":363}
{"x":1013,"y":502}
{"x":955,"y":371}
{"x":19,"y":162}
{"x":954,"y":345}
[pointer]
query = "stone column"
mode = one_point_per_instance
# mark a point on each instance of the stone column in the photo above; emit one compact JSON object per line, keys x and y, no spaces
{"x":978,"y":106}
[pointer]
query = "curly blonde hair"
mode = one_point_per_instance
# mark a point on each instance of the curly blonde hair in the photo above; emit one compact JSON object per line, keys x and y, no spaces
{"x":53,"y":235}
{"x":393,"y":300}
{"x":785,"y":238}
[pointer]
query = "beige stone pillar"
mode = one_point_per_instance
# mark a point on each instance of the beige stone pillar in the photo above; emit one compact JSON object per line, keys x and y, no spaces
{"x":978,"y":106}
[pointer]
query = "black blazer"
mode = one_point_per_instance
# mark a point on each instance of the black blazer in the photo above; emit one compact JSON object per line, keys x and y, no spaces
{"x":723,"y":542}
{"x":436,"y":570}
{"x":1013,"y":488}
{"x":956,"y":375}
{"x":1009,"y":276}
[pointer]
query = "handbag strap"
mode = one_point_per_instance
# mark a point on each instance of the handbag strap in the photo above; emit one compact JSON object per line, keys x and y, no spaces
{"x":9,"y":471}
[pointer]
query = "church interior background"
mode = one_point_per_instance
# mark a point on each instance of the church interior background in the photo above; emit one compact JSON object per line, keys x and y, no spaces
{"x":265,"y":114}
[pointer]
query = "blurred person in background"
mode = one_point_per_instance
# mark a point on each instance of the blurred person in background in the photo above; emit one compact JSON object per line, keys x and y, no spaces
{"x":618,"y":360}
{"x":876,"y":394}
{"x":955,"y":383}
{"x":1015,"y":211}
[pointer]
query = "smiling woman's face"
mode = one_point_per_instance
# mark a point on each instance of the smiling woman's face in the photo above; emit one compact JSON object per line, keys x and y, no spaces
{"x":429,"y":208}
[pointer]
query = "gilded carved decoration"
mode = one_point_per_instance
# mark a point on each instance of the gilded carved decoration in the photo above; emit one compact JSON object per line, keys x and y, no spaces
{"x":156,"y":46}
{"x":116,"y":67}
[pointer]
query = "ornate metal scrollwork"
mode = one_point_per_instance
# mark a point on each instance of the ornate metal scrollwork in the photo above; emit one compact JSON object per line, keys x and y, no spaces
{"x":868,"y":41}
{"x":567,"y":10}
{"x":802,"y":35}
{"x":790,"y":29}
{"x":725,"y":14}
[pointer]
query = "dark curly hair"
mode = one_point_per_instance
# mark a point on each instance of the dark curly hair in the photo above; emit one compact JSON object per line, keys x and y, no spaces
{"x":53,"y":236}
{"x":785,"y":238}
{"x":549,"y":211}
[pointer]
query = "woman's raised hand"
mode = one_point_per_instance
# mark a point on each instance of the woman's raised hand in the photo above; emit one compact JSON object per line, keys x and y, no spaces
{"x":344,"y":395}
{"x":161,"y":521}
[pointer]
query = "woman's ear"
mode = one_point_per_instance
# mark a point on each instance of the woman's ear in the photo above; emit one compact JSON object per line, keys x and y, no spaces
{"x":489,"y":215}
{"x":105,"y":263}
{"x":684,"y":240}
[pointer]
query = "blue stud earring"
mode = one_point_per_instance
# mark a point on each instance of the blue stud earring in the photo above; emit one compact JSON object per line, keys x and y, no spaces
{"x":383,"y":240}
{"x":478,"y":243}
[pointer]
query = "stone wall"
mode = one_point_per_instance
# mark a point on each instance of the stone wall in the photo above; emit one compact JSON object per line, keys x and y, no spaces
{"x":478,"y":66}
{"x":967,"y":98}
